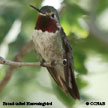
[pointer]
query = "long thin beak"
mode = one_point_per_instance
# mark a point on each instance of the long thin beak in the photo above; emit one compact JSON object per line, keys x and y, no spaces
{"x":37,"y":10}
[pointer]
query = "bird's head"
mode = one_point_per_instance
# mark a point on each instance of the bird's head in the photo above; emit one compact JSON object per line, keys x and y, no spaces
{"x":48,"y":19}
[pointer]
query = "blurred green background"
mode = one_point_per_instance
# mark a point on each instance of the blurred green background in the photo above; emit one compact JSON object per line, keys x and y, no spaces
{"x":86,"y":24}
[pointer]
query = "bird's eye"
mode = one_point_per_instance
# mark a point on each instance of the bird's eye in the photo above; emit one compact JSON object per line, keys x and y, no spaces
{"x":52,"y":15}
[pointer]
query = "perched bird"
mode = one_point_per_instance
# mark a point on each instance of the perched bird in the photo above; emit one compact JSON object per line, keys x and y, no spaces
{"x":51,"y":44}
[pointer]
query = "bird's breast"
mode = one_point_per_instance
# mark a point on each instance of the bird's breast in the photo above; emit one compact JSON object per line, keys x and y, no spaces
{"x":48,"y":45}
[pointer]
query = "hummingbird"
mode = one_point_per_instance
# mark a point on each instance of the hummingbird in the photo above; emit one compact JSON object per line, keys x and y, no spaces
{"x":51,"y":44}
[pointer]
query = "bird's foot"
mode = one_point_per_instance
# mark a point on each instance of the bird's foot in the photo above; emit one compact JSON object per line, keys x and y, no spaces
{"x":42,"y":63}
{"x":53,"y":62}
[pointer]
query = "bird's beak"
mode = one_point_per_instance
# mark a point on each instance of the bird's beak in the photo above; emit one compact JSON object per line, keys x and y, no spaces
{"x":42,"y":13}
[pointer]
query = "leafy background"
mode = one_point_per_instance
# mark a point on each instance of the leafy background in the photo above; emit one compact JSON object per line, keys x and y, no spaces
{"x":90,"y":51}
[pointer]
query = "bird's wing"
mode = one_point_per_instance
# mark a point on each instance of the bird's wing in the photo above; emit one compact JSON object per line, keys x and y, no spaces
{"x":69,"y":71}
{"x":68,"y":84}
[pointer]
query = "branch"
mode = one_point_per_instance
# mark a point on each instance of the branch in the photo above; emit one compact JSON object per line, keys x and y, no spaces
{"x":13,"y":63}
{"x":18,"y":57}
{"x":45,"y":64}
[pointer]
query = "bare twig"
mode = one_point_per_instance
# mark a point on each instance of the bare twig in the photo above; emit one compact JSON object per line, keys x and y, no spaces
{"x":45,"y":64}
{"x":13,"y":63}
{"x":18,"y":57}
